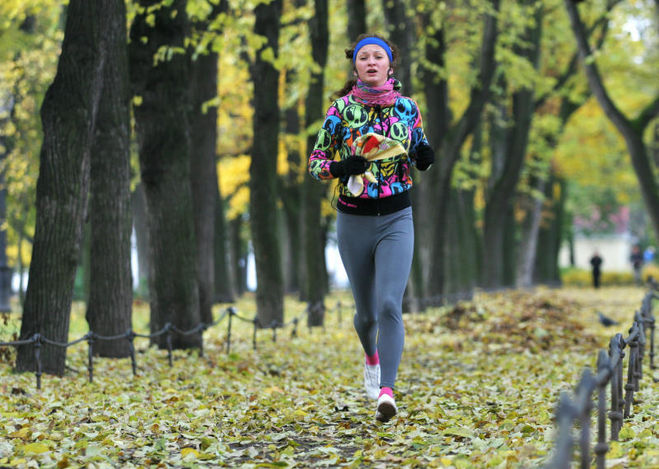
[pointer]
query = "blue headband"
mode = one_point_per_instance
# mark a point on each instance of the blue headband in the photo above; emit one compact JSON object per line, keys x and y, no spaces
{"x":372,"y":40}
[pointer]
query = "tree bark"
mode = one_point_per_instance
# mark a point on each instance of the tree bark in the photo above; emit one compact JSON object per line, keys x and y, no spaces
{"x":631,"y":129}
{"x":546,"y":269}
{"x":164,"y":150}
{"x":503,"y":192}
{"x":356,"y":18}
{"x":68,"y":115}
{"x":203,"y":175}
{"x":402,"y":33}
{"x":225,"y":280}
{"x":239,"y":253}
{"x":263,"y":170}
{"x":447,"y":139}
{"x":291,"y":182}
{"x":110,"y":278}
{"x":314,"y":238}
{"x":5,"y":270}
{"x":526,"y":258}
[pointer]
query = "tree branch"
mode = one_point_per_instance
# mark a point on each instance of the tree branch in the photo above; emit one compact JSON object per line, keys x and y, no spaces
{"x":572,"y":65}
{"x":592,"y":73}
{"x":650,"y":112}
{"x":480,"y":91}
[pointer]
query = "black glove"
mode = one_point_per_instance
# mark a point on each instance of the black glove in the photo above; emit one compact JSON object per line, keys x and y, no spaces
{"x":424,"y":157}
{"x":349,"y":166}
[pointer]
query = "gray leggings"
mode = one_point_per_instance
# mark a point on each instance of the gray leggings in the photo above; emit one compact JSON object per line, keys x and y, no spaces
{"x":377,"y":254}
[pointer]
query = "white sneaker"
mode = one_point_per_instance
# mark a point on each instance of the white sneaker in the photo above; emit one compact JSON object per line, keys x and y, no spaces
{"x":372,"y":380}
{"x":386,"y":408}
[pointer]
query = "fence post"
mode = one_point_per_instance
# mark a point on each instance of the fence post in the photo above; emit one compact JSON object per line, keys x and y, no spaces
{"x":602,"y":447}
{"x":168,"y":339}
{"x":650,"y":322}
{"x":647,"y":312}
{"x":37,"y":357}
{"x":231,"y":312}
{"x":563,"y":446}
{"x":638,"y":369}
{"x":130,"y":335}
{"x":202,"y":328}
{"x":616,"y":355}
{"x":631,"y":366}
{"x":584,"y":386}
{"x":90,"y":355}
{"x":256,"y":325}
{"x":294,"y":331}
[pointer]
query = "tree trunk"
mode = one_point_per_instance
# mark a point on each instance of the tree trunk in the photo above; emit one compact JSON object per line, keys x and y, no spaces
{"x":356,"y":18}
{"x":655,"y":144}
{"x":225,"y":280}
{"x":110,"y":278}
{"x":314,"y":236}
{"x":164,"y":150}
{"x":550,"y":236}
{"x":503,"y":192}
{"x":68,"y":115}
{"x":526,"y":258}
{"x":447,"y":139}
{"x":460,"y":259}
{"x":291,"y":195}
{"x":401,"y":32}
{"x":631,"y":130}
{"x":239,"y":253}
{"x":263,"y":170}
{"x":203,"y":175}
{"x":5,"y":270}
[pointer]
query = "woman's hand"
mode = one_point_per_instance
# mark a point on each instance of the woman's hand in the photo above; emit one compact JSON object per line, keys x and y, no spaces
{"x":349,"y":166}
{"x":425,"y":156}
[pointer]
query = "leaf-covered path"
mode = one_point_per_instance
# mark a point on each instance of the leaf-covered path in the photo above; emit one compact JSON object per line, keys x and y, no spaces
{"x":477,"y":388}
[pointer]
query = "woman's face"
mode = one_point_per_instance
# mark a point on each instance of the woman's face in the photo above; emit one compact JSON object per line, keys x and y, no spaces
{"x":372,"y":65}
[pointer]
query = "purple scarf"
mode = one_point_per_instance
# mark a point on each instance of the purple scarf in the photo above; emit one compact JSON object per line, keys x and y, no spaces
{"x":385,"y":95}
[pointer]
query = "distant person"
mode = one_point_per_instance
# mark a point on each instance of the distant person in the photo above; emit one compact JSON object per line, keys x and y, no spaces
{"x":648,"y":255}
{"x":636,"y":258}
{"x":596,"y":264}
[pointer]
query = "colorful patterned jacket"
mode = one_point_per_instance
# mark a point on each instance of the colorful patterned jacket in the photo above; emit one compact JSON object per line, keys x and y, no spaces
{"x":347,"y":119}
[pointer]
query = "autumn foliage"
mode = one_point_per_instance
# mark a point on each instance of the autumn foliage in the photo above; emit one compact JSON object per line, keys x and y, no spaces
{"x":478,"y":386}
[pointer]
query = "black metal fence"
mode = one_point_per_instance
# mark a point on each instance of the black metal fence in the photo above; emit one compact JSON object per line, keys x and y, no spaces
{"x":168,"y":330}
{"x":575,"y":409}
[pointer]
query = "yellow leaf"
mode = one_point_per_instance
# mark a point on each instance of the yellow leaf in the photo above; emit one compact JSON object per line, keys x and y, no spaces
{"x":23,"y":433}
{"x":35,"y":448}
{"x":189,"y":451}
{"x":626,"y":433}
{"x":457,"y":431}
